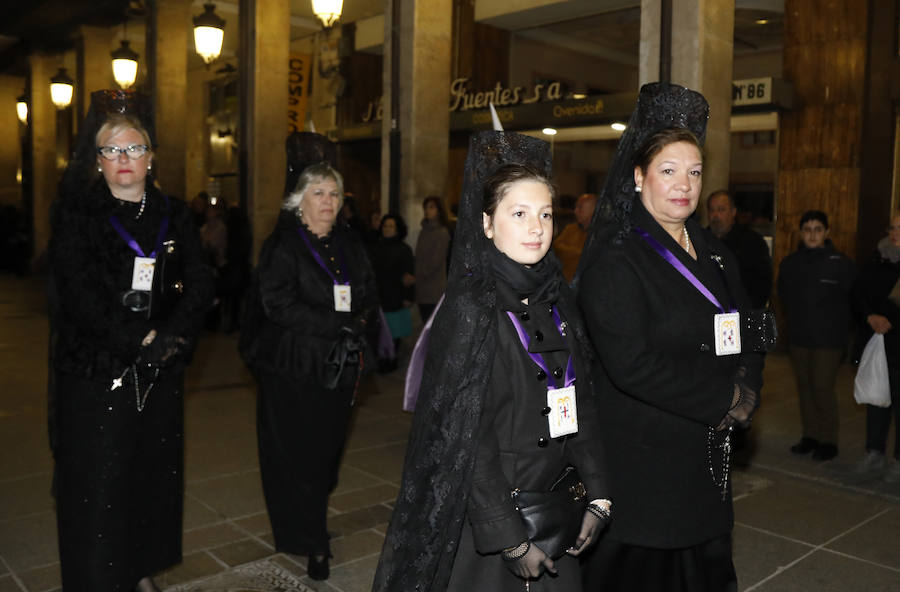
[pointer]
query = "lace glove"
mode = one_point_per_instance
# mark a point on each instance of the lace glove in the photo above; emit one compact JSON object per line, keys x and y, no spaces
{"x":743,"y":404}
{"x":162,"y":351}
{"x":527,"y":561}
{"x":596,"y":517}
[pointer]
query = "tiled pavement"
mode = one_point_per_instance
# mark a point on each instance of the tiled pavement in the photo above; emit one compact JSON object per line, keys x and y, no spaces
{"x":800,"y":525}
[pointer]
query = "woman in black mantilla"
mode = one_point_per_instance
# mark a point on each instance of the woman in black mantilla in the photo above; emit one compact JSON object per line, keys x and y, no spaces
{"x":661,"y":301}
{"x":121,"y":334}
{"x":482,"y":422}
{"x":315,"y":300}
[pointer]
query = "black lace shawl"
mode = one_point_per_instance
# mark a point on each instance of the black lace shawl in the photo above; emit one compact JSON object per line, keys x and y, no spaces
{"x":425,"y":527}
{"x":660,"y":106}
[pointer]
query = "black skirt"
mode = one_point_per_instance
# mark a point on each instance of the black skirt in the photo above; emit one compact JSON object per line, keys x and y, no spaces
{"x":616,"y":567}
{"x":301,"y":430}
{"x":119,"y":481}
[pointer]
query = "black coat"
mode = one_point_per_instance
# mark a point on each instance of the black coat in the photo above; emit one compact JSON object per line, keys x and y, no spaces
{"x":753,"y":261}
{"x":876,"y":280}
{"x":814,"y":286}
{"x":391,"y":258}
{"x":661,"y":385}
{"x":91,"y":266}
{"x":299,"y":325}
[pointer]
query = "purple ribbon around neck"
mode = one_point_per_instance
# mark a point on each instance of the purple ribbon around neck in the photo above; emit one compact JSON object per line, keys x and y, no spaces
{"x":321,"y":261}
{"x":163,"y":227}
{"x":679,"y":267}
{"x":538,"y":359}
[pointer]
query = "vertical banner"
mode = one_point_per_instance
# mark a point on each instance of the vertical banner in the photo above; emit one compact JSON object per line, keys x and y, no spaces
{"x":298,"y":90}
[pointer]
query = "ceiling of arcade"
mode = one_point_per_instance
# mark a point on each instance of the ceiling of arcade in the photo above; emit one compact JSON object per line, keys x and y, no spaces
{"x":602,"y":28}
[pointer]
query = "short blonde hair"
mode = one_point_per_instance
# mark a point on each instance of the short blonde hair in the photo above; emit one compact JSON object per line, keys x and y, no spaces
{"x":315,"y":173}
{"x":117,"y":123}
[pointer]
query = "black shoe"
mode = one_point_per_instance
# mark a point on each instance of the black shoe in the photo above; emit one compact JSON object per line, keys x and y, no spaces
{"x":805,"y":446}
{"x":825,"y":452}
{"x":317,"y":569}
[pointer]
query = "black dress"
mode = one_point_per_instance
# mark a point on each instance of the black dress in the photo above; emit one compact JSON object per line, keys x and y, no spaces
{"x":515,"y":450}
{"x":662,"y":391}
{"x":119,"y":471}
{"x":301,"y":422}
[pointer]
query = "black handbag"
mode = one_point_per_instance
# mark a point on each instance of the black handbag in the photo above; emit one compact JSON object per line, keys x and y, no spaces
{"x":553,"y":518}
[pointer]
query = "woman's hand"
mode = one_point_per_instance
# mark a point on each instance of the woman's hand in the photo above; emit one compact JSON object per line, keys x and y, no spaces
{"x":743,"y":404}
{"x":148,"y":338}
{"x":591,"y":526}
{"x":879,"y":323}
{"x":532,"y":564}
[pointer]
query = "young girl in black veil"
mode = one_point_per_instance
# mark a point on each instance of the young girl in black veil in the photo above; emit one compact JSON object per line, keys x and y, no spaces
{"x":506,"y":338}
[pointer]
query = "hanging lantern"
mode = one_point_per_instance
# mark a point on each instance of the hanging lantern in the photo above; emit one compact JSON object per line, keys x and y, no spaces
{"x":61,"y":87}
{"x":328,"y":11}
{"x":209,"y":32}
{"x":22,"y":108}
{"x":125,"y":65}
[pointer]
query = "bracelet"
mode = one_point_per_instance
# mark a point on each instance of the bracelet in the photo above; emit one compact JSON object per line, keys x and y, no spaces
{"x":517,"y":552}
{"x":599,"y":511}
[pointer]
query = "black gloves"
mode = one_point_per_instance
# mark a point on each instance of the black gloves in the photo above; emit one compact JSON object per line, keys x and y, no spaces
{"x":164,"y":350}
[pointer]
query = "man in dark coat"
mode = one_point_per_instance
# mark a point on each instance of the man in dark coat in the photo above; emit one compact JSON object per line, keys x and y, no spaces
{"x":749,"y":248}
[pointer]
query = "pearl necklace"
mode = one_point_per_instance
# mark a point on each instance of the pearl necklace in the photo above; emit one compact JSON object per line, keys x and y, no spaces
{"x":143,"y":205}
{"x":687,"y":239}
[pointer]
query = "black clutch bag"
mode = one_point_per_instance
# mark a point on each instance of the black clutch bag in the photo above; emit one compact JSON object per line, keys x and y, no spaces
{"x":553,"y":518}
{"x":759,"y":332}
{"x":168,"y":280}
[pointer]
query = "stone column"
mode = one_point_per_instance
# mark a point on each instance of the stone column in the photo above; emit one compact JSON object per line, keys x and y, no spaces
{"x":94,"y":66}
{"x":43,"y":134}
{"x":423,"y":118}
{"x":10,"y":150}
{"x":265,"y":26}
{"x":701,"y":53}
{"x":821,"y":141}
{"x":168,"y":43}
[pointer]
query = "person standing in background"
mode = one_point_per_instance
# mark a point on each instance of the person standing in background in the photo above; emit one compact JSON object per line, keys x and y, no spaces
{"x":878,"y":299}
{"x":814,"y":286}
{"x":432,"y":248}
{"x":748,"y":247}
{"x":570,"y":242}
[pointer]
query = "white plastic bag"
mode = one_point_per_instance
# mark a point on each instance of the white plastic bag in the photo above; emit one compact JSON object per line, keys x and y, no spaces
{"x":871,"y":385}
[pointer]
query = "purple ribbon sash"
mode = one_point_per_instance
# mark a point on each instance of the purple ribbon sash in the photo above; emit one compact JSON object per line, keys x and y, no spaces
{"x":679,"y":267}
{"x":538,"y":359}
{"x":163,"y":227}
{"x":321,"y":261}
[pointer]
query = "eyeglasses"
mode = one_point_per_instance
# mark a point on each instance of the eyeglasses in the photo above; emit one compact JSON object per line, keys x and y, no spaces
{"x":134,"y":152}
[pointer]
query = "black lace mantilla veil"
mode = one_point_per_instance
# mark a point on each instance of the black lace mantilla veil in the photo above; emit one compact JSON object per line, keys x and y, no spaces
{"x":428,"y":516}
{"x":660,"y":106}
{"x":305,"y":149}
{"x":81,"y":175}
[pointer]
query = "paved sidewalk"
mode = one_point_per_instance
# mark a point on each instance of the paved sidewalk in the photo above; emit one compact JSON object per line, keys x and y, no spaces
{"x":800,"y":525}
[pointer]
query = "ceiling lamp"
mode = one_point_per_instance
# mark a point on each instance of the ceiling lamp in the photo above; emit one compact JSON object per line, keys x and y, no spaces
{"x":209,"y":32}
{"x":22,"y":108}
{"x":328,"y":11}
{"x":61,"y":87}
{"x":124,"y":65}
{"x":548,"y":131}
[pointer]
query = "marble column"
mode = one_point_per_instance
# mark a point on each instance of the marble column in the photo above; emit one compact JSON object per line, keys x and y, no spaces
{"x":701,"y":58}
{"x":43,"y":141}
{"x":94,"y":66}
{"x":168,"y":43}
{"x":821,"y":141}
{"x":265,"y":26}
{"x":11,"y":149}
{"x":423,"y":118}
